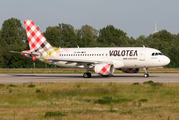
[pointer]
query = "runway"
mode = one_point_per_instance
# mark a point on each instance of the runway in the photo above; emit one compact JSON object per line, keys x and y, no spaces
{"x":123,"y":78}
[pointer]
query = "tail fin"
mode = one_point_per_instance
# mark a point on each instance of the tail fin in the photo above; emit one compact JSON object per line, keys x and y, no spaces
{"x":35,"y":38}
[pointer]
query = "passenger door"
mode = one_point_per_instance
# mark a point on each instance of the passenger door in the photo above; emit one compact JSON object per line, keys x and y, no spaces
{"x":142,"y":55}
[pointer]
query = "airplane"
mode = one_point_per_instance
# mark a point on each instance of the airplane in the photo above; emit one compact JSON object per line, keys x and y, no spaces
{"x":102,"y":60}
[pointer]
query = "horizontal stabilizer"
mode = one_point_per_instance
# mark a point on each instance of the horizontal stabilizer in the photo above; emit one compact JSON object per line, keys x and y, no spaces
{"x":15,"y":52}
{"x":35,"y":54}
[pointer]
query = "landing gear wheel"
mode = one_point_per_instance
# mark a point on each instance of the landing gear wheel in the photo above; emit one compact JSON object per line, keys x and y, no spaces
{"x":87,"y":75}
{"x":146,"y":75}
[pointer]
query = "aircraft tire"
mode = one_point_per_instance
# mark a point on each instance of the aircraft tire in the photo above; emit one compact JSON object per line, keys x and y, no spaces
{"x":87,"y":75}
{"x":146,"y":75}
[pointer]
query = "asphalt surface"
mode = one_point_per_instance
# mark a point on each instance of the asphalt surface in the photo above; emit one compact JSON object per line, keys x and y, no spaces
{"x":26,"y":78}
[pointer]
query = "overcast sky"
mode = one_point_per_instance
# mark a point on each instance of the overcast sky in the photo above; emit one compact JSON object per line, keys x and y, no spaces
{"x":135,"y":17}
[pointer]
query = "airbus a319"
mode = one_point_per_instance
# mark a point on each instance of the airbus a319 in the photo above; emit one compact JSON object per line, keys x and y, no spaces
{"x":101,"y":60}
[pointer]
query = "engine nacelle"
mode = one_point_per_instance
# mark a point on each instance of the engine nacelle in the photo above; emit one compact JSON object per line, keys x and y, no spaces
{"x":104,"y":69}
{"x":130,"y":70}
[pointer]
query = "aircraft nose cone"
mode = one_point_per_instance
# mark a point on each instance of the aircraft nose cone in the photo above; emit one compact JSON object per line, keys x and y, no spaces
{"x":167,"y":61}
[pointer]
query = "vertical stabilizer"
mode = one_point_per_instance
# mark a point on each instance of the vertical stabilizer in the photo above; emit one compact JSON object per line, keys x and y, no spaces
{"x":35,"y":38}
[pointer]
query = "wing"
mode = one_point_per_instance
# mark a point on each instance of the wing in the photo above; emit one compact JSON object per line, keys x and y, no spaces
{"x":86,"y":62}
{"x":77,"y":60}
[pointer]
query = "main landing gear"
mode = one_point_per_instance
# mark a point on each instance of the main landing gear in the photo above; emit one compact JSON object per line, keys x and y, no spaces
{"x":145,"y":74}
{"x":87,"y":74}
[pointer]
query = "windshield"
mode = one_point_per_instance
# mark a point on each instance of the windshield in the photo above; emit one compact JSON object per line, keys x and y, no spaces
{"x":157,"y":54}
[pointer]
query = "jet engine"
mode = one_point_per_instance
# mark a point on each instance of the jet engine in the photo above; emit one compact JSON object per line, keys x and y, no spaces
{"x":104,"y":69}
{"x":130,"y":70}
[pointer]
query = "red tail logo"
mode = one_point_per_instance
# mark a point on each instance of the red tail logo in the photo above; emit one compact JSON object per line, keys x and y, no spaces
{"x":35,"y":37}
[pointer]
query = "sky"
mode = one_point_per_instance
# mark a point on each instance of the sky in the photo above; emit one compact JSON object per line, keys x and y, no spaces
{"x":135,"y":17}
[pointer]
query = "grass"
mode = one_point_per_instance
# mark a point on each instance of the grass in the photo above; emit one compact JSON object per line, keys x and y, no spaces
{"x":31,"y":86}
{"x":12,"y":85}
{"x":76,"y":70}
{"x":54,"y":114}
{"x":109,"y":101}
{"x":89,"y":100}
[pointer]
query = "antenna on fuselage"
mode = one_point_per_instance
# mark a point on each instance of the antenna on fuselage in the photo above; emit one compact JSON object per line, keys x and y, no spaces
{"x":78,"y":46}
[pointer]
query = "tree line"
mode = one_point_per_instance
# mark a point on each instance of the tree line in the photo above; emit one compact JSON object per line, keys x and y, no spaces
{"x":13,"y":38}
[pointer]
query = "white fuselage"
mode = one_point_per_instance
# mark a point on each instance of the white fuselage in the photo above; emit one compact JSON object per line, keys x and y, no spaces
{"x":122,"y":57}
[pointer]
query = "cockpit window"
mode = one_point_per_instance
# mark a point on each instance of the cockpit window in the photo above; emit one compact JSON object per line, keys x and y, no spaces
{"x":160,"y":53}
{"x":156,"y":54}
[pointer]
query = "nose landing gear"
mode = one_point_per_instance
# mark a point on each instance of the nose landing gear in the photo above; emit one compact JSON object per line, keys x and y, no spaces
{"x":145,"y":74}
